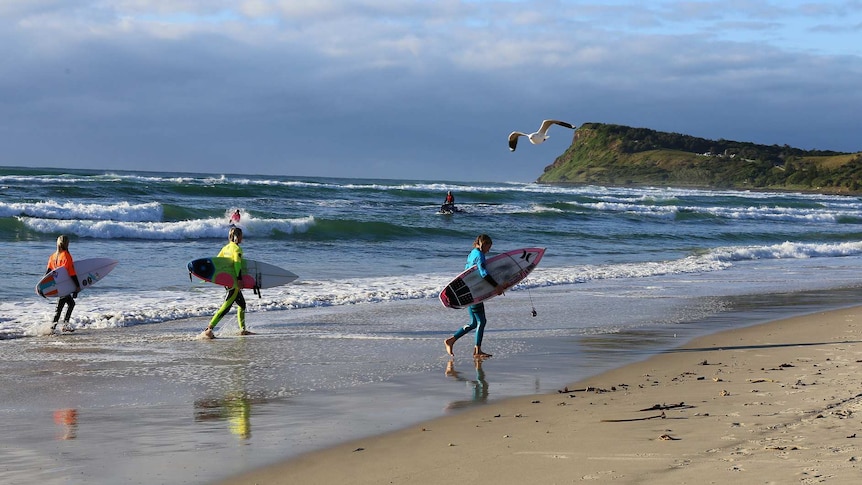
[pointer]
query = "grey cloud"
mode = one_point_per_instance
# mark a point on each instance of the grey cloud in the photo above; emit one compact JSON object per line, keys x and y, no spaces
{"x":382,"y":89}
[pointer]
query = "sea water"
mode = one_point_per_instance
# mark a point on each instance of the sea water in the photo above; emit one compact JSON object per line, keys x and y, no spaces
{"x":354,"y":347}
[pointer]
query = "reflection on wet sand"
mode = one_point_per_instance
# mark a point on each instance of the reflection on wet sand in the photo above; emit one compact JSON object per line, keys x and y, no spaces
{"x":479,"y":385}
{"x":234,"y":408}
{"x":68,"y":420}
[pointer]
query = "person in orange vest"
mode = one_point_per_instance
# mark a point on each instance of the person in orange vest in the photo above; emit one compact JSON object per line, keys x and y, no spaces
{"x":63,"y":259}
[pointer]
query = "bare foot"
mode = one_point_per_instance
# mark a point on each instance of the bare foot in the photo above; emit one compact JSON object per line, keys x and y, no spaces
{"x":449,"y":343}
{"x":481,"y":355}
{"x":208,"y":333}
{"x":246,"y":332}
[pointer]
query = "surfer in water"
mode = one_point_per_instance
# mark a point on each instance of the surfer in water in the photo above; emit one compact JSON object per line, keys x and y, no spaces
{"x":234,"y":218}
{"x":63,"y":259}
{"x":234,"y":294}
{"x":448,"y":206}
{"x":477,"y":312}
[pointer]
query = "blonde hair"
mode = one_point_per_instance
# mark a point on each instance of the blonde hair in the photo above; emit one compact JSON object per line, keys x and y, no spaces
{"x":482,"y":239}
{"x":63,"y":243}
{"x":234,"y":234}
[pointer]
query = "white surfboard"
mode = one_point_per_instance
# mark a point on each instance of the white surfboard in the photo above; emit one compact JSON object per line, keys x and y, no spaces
{"x":507,"y":269}
{"x":58,"y":282}
{"x":255,"y":274}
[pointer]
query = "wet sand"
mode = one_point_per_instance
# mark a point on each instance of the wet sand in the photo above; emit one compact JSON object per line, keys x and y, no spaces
{"x":774,"y":403}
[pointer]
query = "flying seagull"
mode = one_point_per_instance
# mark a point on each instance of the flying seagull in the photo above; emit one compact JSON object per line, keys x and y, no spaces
{"x":537,"y":137}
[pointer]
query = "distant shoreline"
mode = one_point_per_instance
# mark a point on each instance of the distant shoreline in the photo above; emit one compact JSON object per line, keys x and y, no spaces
{"x":615,"y":155}
{"x":701,"y":187}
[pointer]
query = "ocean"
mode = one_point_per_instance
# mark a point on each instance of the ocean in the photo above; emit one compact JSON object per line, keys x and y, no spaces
{"x":354,"y":346}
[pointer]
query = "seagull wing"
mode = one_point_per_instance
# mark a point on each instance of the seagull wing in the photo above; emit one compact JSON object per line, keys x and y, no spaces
{"x":513,"y":139}
{"x":547,"y":124}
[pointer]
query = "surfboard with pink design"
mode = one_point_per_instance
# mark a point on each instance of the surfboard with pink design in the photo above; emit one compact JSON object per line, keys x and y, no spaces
{"x":507,"y":269}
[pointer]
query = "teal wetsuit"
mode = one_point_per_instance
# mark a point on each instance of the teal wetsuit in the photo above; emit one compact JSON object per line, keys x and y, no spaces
{"x":477,"y":311}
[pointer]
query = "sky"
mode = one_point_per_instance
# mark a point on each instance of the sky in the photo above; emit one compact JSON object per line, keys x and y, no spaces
{"x":420,"y":90}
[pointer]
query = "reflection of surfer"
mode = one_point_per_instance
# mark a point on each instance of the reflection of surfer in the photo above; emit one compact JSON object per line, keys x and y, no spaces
{"x":68,"y":419}
{"x":234,"y":218}
{"x":480,"y":385}
{"x":235,"y":408}
{"x":63,"y":259}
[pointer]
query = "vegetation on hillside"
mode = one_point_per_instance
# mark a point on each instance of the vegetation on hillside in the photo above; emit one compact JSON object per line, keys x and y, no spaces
{"x":620,"y":155}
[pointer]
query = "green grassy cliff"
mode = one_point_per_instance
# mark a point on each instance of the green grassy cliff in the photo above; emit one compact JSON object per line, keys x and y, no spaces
{"x":607,"y":154}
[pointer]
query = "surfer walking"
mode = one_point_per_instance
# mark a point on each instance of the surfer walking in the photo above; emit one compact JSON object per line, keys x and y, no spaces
{"x":477,"y":312}
{"x":63,"y":259}
{"x":233,"y":251}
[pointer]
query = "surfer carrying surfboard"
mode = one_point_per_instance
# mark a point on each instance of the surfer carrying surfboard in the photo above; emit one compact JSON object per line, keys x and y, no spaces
{"x":63,"y":259}
{"x":233,"y":251}
{"x":477,"y":312}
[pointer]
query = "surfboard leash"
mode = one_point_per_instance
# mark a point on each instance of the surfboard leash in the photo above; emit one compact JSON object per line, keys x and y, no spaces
{"x":534,"y":312}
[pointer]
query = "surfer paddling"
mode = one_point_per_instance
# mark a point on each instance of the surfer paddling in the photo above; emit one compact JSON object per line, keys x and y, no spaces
{"x":63,"y":259}
{"x":477,"y":312}
{"x":233,"y":251}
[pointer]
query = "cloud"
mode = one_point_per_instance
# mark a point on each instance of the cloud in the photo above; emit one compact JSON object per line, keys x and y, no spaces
{"x":407,"y":89}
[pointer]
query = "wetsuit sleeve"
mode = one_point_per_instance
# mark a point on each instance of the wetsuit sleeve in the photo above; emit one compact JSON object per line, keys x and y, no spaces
{"x":483,"y":272}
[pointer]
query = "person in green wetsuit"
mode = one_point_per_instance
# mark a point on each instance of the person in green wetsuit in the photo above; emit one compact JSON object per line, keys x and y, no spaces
{"x":233,"y":251}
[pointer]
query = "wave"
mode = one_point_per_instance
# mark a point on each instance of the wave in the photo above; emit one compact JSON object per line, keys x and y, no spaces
{"x":155,"y":306}
{"x":334,"y":229}
{"x":308,"y":227}
{"x":121,"y":211}
{"x":177,"y":230}
{"x":787,"y":250}
{"x":844,"y":215}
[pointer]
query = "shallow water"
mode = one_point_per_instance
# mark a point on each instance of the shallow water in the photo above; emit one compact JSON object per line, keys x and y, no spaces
{"x":354,"y":347}
{"x":153,"y":404}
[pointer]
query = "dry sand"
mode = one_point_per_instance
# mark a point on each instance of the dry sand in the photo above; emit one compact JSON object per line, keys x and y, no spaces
{"x":775,"y":403}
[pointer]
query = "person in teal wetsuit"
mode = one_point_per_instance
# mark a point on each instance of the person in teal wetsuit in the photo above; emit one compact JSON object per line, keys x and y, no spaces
{"x":233,"y":251}
{"x":477,"y":312}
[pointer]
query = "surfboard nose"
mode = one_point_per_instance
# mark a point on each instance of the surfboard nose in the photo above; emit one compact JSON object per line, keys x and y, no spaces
{"x":202,"y":267}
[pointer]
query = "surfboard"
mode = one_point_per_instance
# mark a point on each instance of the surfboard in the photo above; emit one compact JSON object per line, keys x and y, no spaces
{"x":58,"y":282}
{"x":507,"y":269}
{"x":255,"y":274}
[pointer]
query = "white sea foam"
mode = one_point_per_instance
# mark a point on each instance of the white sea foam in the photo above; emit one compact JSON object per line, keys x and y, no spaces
{"x":179,"y":230}
{"x":49,"y":209}
{"x":102,"y":308}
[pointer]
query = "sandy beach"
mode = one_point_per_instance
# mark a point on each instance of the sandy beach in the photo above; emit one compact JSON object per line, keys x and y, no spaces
{"x":774,"y":403}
